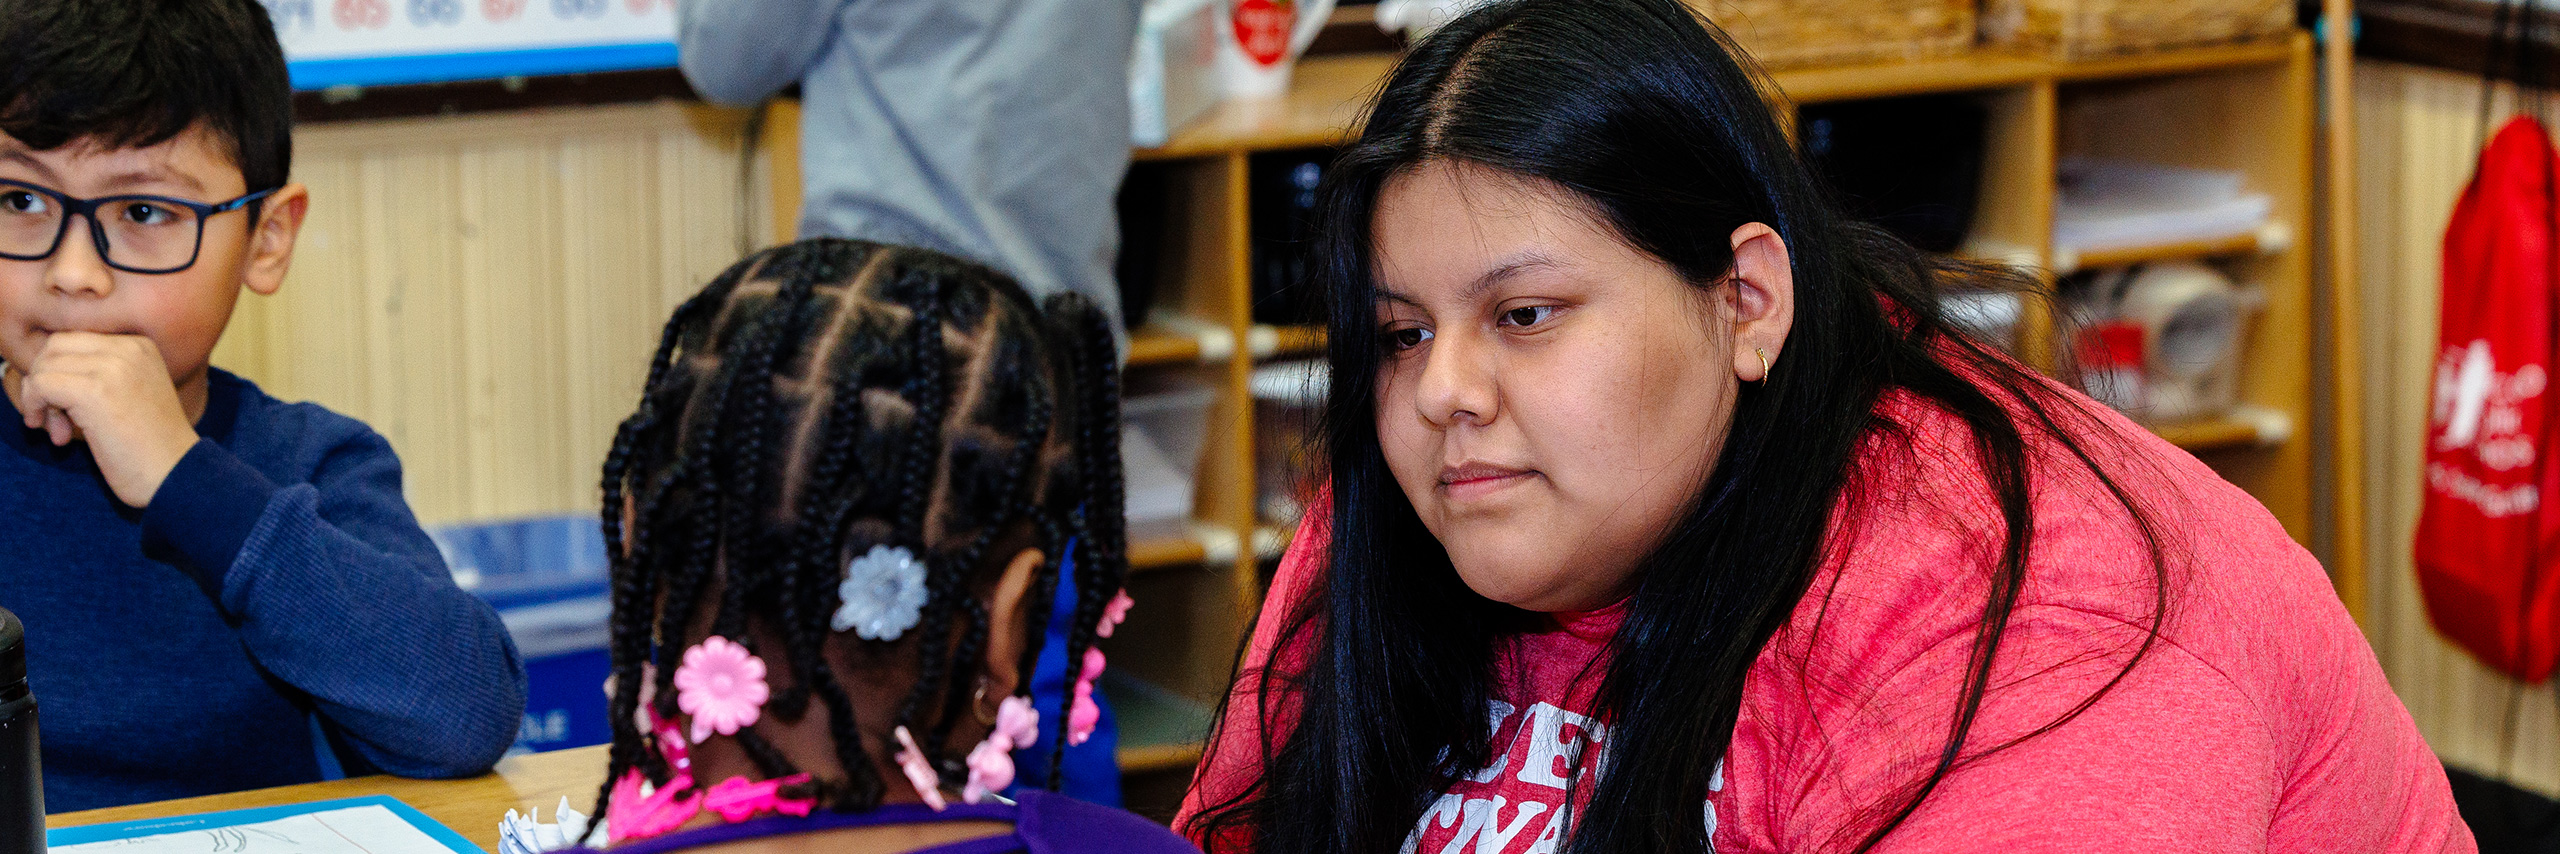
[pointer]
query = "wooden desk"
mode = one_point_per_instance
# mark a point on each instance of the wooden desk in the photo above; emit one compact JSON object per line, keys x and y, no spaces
{"x":471,"y":807}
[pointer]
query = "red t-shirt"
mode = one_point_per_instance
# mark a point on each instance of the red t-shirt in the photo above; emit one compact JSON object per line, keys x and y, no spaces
{"x":2259,"y":722}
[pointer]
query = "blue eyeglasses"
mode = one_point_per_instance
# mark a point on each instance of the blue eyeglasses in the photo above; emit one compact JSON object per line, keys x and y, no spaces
{"x":136,"y":234}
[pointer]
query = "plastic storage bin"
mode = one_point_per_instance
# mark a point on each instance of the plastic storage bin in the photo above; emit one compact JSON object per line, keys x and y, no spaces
{"x":547,"y":578}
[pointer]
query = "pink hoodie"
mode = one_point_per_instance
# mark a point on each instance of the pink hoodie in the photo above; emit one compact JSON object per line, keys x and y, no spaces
{"x":2258,"y":722}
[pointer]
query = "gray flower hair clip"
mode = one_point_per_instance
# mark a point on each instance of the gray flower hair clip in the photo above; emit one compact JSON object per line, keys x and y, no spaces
{"x":883,"y":593}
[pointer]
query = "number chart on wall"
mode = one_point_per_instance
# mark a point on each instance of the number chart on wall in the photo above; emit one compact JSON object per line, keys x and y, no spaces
{"x":329,"y":43}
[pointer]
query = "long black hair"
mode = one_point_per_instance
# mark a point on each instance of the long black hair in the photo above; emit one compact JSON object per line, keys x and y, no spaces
{"x":825,"y":397}
{"x":1645,"y":111}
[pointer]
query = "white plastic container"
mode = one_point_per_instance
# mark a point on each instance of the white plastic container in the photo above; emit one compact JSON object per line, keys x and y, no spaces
{"x":1173,"y":72}
{"x":1259,"y":42}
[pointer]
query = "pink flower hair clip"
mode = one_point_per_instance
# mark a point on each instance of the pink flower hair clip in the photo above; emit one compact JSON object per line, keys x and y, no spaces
{"x":721,"y":685}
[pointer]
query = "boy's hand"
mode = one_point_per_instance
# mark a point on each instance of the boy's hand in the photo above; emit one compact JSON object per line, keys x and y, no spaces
{"x":115,"y":391}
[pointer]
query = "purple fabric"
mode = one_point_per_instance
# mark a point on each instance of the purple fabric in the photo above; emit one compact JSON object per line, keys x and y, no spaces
{"x":1043,"y":823}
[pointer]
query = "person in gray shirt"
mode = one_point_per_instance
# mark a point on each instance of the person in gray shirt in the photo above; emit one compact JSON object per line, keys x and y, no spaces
{"x":996,"y":130}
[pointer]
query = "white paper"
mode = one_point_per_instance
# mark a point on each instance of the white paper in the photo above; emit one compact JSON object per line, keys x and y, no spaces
{"x":523,"y":834}
{"x":369,"y":829}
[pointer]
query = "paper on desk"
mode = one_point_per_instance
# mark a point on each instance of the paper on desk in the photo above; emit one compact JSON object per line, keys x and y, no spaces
{"x":355,"y":830}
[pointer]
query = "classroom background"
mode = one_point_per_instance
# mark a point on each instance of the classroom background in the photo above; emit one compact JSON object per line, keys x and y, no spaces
{"x":2240,"y":209}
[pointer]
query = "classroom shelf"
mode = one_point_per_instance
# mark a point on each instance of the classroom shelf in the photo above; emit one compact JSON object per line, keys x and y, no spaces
{"x":1269,"y":541}
{"x":1159,"y":729}
{"x":1281,"y":342}
{"x":2273,"y":238}
{"x":1174,"y":338}
{"x":1325,"y":100}
{"x":1149,"y":345}
{"x":1166,"y":553}
{"x":1994,"y":70}
{"x":2245,"y":427}
{"x":1992,"y":250}
{"x":1153,"y":758}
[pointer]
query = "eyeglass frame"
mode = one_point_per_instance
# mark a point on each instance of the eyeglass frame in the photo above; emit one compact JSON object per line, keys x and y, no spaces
{"x":74,"y":206}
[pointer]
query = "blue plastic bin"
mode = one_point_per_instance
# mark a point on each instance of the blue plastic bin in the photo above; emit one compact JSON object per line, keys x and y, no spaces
{"x":547,"y":578}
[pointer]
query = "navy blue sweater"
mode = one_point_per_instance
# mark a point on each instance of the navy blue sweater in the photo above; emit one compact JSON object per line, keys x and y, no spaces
{"x":277,"y":586}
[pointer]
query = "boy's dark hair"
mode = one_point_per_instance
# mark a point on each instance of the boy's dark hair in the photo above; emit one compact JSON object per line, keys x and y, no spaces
{"x":829,"y":396}
{"x":133,"y":73}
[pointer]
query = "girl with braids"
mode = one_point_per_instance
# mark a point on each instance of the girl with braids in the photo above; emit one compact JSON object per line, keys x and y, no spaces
{"x":856,"y":476}
{"x":1668,"y":513}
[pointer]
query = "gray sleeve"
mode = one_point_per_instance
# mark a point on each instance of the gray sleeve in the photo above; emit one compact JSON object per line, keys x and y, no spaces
{"x":742,"y":51}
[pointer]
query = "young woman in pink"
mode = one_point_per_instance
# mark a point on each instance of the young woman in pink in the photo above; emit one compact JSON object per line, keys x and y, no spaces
{"x":1667,"y":513}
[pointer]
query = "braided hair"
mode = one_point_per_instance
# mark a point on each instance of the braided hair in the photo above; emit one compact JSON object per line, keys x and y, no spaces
{"x":822,"y":398}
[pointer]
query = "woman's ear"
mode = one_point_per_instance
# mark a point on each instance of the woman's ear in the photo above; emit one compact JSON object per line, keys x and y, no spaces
{"x":1009,"y":618}
{"x":1762,"y":301}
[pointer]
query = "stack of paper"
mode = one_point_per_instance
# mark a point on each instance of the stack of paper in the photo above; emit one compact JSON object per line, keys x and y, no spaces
{"x":518,"y":834}
{"x":375,"y":825}
{"x":2103,"y":204}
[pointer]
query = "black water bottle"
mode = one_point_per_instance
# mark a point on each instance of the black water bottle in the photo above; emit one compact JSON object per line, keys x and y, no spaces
{"x":21,"y":767}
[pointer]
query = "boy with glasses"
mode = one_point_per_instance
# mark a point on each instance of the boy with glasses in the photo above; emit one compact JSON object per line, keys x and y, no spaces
{"x":221,"y":591}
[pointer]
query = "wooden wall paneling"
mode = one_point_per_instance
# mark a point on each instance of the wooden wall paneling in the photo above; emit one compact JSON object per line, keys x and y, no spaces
{"x":511,"y":359}
{"x":2416,"y":141}
{"x":486,"y":291}
{"x":412,"y":278}
{"x":623,"y":294}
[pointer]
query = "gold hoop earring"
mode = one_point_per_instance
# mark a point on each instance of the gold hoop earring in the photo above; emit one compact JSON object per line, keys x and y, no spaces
{"x":1764,"y":363}
{"x":978,"y":704}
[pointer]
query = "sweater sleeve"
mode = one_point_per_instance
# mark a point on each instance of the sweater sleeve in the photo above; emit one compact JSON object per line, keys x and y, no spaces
{"x":741,"y":51}
{"x":336,"y":591}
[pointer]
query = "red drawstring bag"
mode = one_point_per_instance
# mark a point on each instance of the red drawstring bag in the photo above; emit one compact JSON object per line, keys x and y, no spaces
{"x":2487,"y":538}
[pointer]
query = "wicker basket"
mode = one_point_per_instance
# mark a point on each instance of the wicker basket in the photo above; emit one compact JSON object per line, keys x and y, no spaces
{"x":1797,"y":33}
{"x":2086,"y":29}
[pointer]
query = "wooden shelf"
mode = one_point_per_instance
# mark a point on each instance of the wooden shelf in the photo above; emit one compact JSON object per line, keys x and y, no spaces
{"x":1281,"y":342}
{"x":2273,"y":238}
{"x":1325,"y":100}
{"x":1150,"y":758}
{"x":1159,"y":730}
{"x":1326,"y":96}
{"x":1167,"y":552}
{"x":1994,"y":69}
{"x":1150,"y":345}
{"x":2246,"y":427}
{"x":2267,"y":52}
